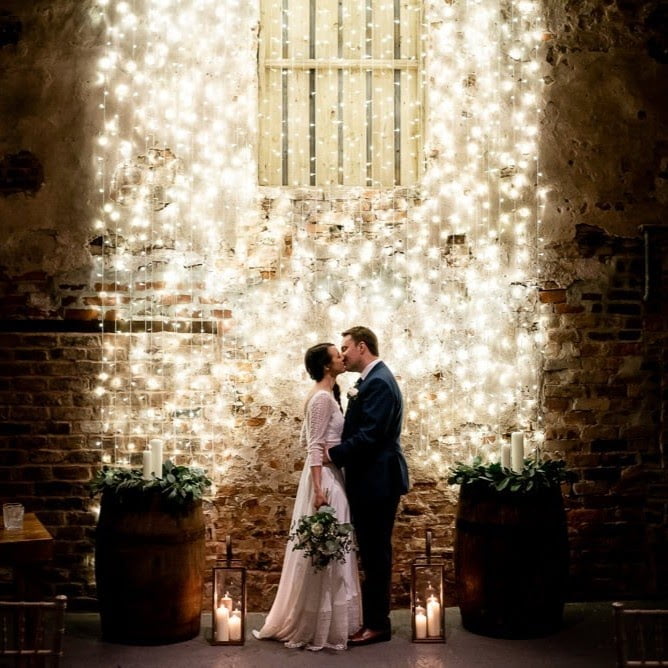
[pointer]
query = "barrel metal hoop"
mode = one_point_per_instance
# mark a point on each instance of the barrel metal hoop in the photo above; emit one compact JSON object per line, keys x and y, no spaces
{"x":128,"y":538}
{"x":495,"y":529}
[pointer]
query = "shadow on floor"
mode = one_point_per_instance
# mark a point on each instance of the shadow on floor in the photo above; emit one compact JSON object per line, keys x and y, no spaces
{"x":585,"y":641}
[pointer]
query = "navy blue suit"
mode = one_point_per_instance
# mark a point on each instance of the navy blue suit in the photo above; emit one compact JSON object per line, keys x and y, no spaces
{"x":376,"y":476}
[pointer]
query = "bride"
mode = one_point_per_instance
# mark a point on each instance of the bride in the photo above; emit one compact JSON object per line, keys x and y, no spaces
{"x":318,"y":609}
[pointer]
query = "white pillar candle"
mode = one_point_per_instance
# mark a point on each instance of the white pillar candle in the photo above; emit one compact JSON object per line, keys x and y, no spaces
{"x":433,"y":617}
{"x":505,"y":455}
{"x":420,"y":623}
{"x":222,"y":624}
{"x":148,"y":464}
{"x":156,"y":456}
{"x":227,"y":601}
{"x":235,"y":625}
{"x":517,"y":451}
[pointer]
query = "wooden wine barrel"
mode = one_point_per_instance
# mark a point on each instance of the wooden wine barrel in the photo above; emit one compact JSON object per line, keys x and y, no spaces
{"x":511,"y":561}
{"x":149,"y":562}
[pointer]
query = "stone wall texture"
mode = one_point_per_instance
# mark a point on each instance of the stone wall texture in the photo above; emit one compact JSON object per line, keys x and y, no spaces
{"x":604,"y":296}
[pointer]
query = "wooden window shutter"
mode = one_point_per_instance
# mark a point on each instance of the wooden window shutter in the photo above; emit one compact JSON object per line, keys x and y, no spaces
{"x":340,"y":93}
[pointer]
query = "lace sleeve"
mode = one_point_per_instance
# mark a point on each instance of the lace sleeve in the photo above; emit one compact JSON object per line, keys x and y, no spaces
{"x":318,"y":416}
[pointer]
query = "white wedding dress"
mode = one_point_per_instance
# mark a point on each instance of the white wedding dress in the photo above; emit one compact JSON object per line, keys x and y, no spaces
{"x":317,"y":610}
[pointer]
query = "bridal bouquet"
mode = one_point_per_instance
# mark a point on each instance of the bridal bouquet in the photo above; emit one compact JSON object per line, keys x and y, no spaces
{"x":322,"y":537}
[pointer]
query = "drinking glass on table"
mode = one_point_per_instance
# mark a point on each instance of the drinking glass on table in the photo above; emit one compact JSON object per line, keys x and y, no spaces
{"x":12,"y":515}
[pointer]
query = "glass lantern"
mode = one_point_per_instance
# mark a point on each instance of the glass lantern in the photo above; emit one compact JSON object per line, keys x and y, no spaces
{"x":228,"y":607}
{"x":427,"y":605}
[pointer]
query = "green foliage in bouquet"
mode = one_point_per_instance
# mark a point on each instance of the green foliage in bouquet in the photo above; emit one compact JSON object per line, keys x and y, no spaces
{"x":322,"y":537}
{"x":536,"y":475}
{"x":179,"y":485}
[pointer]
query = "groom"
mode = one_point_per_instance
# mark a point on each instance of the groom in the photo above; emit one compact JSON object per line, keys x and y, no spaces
{"x":376,"y":474}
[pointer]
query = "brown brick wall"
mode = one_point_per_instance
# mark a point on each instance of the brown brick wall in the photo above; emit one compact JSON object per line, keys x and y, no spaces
{"x":604,"y":407}
{"x":49,"y":444}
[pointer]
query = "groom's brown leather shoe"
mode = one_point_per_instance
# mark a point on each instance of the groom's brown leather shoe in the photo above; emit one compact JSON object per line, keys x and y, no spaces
{"x":368,"y":637}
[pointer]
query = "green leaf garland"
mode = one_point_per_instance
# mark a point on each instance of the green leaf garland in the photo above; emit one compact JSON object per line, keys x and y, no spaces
{"x":179,"y":485}
{"x":536,"y":475}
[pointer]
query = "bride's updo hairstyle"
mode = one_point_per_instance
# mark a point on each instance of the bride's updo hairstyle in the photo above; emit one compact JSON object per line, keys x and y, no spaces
{"x":316,"y":358}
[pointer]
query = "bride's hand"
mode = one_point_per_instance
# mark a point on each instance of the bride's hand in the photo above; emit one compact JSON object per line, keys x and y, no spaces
{"x":319,"y":500}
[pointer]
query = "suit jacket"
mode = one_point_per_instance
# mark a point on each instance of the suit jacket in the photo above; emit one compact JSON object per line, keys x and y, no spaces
{"x":370,"y":451}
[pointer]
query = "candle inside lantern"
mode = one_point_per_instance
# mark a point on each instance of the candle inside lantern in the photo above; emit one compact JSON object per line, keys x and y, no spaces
{"x":222,"y":623}
{"x":148,"y":464}
{"x":433,"y":616}
{"x":235,"y":625}
{"x":420,"y":622}
{"x":156,"y":457}
{"x":227,"y":601}
{"x":505,"y":455}
{"x":517,"y":451}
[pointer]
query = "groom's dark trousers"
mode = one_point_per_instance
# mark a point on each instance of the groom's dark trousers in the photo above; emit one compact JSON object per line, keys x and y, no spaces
{"x":373,"y":523}
{"x":376,"y":476}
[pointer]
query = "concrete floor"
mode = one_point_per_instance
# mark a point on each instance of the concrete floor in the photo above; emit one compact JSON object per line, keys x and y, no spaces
{"x":585,"y":641}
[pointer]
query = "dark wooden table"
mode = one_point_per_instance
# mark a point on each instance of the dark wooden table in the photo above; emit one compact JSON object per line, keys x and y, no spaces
{"x":25,"y":550}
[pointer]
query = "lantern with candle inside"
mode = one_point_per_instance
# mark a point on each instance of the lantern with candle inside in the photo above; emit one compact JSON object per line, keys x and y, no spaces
{"x":427,"y":609}
{"x":228,"y":606}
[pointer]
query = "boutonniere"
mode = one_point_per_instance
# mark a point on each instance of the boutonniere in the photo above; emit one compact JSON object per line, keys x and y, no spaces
{"x":352,"y":392}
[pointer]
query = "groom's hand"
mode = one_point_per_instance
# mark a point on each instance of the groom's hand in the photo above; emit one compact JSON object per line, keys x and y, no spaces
{"x":326,"y":459}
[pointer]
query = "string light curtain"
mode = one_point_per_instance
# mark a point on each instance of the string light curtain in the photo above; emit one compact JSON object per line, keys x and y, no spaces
{"x":212,"y":284}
